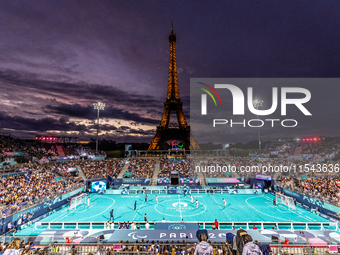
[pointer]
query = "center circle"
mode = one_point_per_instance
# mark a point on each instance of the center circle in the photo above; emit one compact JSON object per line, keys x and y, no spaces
{"x":176,"y":208}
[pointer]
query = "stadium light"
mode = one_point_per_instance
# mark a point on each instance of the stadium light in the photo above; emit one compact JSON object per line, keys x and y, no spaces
{"x":98,"y":106}
{"x":257,"y":103}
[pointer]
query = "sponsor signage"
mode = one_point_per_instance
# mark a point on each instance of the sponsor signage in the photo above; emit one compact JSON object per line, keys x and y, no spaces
{"x":222,"y":180}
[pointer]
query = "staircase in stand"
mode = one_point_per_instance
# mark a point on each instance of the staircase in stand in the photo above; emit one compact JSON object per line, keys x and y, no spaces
{"x":155,"y":172}
{"x":297,"y":151}
{"x":60,"y":151}
{"x":125,"y":167}
{"x":81,"y":173}
{"x":200,"y":175}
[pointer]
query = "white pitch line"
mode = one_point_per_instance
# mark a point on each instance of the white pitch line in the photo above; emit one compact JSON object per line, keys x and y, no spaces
{"x":221,"y":207}
{"x":309,"y":218}
{"x":57,"y":218}
{"x":138,"y":210}
{"x":262,"y":212}
{"x":102,"y":211}
{"x":276,"y":207}
{"x":93,"y":204}
{"x":265,"y":197}
{"x":180,"y":208}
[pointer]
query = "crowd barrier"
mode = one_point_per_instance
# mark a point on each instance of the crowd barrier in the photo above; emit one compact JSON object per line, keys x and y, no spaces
{"x":202,"y":225}
{"x":160,"y":248}
{"x":178,"y":248}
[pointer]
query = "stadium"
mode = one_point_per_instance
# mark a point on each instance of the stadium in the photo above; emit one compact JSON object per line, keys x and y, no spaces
{"x":163,"y":201}
{"x":99,"y":155}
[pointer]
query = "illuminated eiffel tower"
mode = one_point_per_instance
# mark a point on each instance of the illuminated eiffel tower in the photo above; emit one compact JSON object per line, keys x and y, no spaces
{"x":176,"y":130}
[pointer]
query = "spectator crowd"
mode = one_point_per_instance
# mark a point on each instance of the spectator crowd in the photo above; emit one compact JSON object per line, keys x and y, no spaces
{"x":184,"y":167}
{"x":141,"y":168}
{"x":102,"y":169}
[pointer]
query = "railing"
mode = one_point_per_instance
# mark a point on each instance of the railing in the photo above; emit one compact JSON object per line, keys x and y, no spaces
{"x":202,"y":225}
{"x":165,"y":247}
{"x":178,"y":248}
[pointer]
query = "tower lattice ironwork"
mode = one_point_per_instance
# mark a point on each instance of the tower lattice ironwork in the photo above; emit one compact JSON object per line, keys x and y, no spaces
{"x":167,"y":130}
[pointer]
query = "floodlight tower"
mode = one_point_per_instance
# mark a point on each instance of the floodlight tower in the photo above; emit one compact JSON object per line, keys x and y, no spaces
{"x":98,"y":106}
{"x":257,"y":103}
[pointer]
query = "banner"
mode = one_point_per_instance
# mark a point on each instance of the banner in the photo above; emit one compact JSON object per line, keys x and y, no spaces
{"x":187,"y":181}
{"x":176,"y":226}
{"x":323,"y":207}
{"x":12,"y":153}
{"x":245,"y":191}
{"x":263,"y":177}
{"x":121,"y":181}
{"x":128,"y":148}
{"x":178,"y":190}
{"x":148,"y":188}
{"x":211,"y":181}
{"x":317,"y":237}
{"x":163,"y":181}
{"x":41,"y":209}
{"x":117,"y":191}
{"x":141,"y":181}
{"x":11,"y":174}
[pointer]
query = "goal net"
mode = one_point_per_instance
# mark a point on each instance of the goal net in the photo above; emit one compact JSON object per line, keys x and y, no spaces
{"x":78,"y":200}
{"x":285,"y":200}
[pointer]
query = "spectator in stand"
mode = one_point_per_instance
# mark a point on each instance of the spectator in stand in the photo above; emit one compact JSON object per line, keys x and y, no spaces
{"x":99,"y":169}
{"x":184,"y":168}
{"x":203,"y":248}
{"x":141,"y":168}
{"x":36,"y":185}
{"x":13,"y":247}
{"x":250,"y":248}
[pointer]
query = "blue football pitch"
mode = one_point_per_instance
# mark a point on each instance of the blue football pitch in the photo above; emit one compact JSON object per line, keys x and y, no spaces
{"x":174,"y":208}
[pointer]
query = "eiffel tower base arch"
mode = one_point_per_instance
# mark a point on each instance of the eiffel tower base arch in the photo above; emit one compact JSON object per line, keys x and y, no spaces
{"x":162,"y":136}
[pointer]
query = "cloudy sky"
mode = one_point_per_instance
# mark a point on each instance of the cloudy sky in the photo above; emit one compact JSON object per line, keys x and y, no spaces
{"x":59,"y":57}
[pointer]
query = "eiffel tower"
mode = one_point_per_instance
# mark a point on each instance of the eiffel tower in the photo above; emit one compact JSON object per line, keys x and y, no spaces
{"x":176,"y":130}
